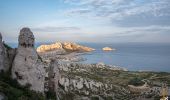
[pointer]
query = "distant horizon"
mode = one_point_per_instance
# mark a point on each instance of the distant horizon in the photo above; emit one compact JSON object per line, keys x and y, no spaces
{"x":14,"y":45}
{"x":94,"y":21}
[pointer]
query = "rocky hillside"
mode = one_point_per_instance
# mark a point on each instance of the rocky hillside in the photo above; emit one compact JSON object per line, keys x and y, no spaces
{"x":102,"y":82}
{"x":66,"y":46}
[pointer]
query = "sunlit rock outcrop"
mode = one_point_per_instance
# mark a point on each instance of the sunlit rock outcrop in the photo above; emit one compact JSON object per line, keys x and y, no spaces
{"x":76,"y":47}
{"x":66,"y":46}
{"x":50,"y":47}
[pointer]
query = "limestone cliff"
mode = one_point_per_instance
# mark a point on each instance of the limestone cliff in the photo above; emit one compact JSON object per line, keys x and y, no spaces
{"x":27,"y":67}
{"x":6,"y":56}
{"x":67,"y":46}
{"x":1,"y":54}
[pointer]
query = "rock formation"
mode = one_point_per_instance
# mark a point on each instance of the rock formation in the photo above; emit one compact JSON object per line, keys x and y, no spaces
{"x":44,"y":48}
{"x":107,"y":49}
{"x":1,"y":54}
{"x":82,"y":80}
{"x":67,"y":46}
{"x":27,"y":66}
{"x":76,"y":47}
{"x":6,"y":56}
{"x":26,"y":38}
{"x":53,"y":77}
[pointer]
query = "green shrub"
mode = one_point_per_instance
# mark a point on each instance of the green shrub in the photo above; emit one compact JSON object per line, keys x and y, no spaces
{"x":136,"y":81}
{"x":15,"y":91}
{"x":50,"y":95}
{"x":7,"y":46}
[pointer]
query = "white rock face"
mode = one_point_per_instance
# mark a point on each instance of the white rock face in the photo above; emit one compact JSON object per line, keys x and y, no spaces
{"x":80,"y":83}
{"x":6,"y":56}
{"x":56,"y":76}
{"x":27,"y":67}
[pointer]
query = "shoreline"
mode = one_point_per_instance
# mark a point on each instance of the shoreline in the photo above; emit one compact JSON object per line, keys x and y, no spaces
{"x":76,"y":57}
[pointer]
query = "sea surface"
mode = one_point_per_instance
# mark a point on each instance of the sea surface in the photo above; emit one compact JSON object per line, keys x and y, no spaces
{"x":133,"y":56}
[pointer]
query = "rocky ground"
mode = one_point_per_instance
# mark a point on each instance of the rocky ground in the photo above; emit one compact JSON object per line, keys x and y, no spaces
{"x":105,"y":82}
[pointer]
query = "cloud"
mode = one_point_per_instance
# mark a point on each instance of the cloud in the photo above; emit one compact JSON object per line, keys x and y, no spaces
{"x":118,"y":9}
{"x":137,"y":34}
{"x":55,"y":29}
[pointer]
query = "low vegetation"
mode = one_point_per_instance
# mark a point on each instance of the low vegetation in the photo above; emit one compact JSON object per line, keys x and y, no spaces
{"x":13,"y":91}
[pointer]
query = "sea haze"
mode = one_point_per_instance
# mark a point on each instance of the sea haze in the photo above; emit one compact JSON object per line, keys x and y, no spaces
{"x":133,"y":56}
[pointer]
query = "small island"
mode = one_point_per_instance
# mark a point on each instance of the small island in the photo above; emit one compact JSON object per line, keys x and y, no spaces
{"x":108,"y":49}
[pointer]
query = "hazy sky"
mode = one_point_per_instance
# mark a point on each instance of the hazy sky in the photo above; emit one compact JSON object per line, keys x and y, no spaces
{"x":87,"y":20}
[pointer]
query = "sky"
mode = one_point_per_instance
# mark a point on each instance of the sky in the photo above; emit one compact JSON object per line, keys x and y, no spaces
{"x":106,"y":21}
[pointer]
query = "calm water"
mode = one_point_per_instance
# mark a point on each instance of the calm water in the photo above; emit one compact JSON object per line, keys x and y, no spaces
{"x":133,"y":56}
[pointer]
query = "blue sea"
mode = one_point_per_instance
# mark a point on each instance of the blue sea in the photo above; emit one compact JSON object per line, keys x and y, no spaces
{"x":133,"y":56}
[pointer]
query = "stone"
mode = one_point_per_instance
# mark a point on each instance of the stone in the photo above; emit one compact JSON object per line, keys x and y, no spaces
{"x":27,"y":66}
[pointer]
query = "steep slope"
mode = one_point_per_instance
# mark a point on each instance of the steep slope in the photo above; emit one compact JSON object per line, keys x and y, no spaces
{"x":7,"y":55}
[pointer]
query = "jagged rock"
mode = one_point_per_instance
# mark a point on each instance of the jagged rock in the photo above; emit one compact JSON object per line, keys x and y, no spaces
{"x":26,"y":38}
{"x":27,"y":66}
{"x":66,"y":46}
{"x":107,"y":49}
{"x":53,"y":76}
{"x":6,"y":55}
{"x":2,"y":54}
